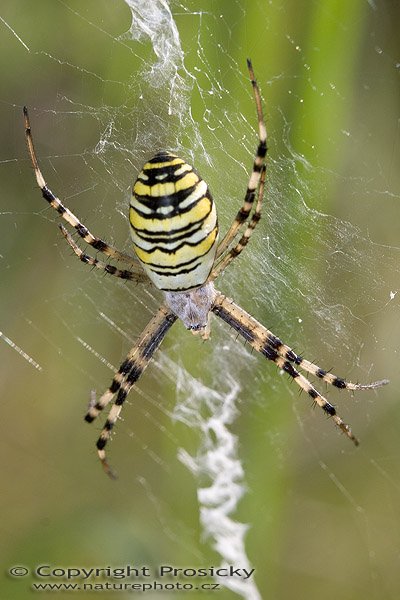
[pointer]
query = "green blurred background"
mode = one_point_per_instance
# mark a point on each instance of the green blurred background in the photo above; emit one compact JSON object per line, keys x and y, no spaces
{"x":322,"y":273}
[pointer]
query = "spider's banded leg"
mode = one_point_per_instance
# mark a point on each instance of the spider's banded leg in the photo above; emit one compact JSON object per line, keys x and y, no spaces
{"x":129,"y":372}
{"x":254,"y":180}
{"x":98,"y":264}
{"x":264,"y":342}
{"x":157,"y":326}
{"x":65,"y":213}
{"x":265,"y":338}
{"x":244,"y":240}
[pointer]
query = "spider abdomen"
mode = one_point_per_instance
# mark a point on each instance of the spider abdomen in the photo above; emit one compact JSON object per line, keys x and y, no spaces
{"x":173,"y":223}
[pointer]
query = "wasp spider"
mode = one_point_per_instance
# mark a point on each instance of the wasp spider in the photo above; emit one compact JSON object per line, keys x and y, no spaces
{"x":174,"y":228}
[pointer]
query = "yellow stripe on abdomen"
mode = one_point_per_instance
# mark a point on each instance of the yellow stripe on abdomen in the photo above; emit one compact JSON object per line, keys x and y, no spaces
{"x":173,"y":223}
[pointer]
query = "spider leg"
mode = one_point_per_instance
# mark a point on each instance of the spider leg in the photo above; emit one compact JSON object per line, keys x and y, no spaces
{"x":267,"y":344}
{"x":65,"y":213}
{"x":267,"y":337}
{"x":254,"y":180}
{"x":128,"y":373}
{"x":244,"y":240}
{"x":89,"y":260}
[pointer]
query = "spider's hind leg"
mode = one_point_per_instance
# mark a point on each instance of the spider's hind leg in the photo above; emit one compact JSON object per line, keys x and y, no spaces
{"x":258,"y":165}
{"x":98,"y":264}
{"x":65,"y":213}
{"x":244,"y":240}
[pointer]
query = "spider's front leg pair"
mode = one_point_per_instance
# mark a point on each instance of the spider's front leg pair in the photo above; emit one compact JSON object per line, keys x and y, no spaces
{"x":273,"y":349}
{"x":128,"y":373}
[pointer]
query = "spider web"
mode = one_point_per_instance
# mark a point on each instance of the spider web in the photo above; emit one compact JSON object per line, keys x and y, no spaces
{"x":223,"y":461}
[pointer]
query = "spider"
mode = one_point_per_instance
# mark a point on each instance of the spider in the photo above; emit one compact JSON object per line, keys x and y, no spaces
{"x":174,"y":229}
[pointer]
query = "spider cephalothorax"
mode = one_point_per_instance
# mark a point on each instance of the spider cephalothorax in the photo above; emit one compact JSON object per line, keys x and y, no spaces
{"x":174,"y":230}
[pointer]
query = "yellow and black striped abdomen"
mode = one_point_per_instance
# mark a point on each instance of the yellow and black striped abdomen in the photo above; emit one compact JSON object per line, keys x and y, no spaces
{"x":173,"y":223}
